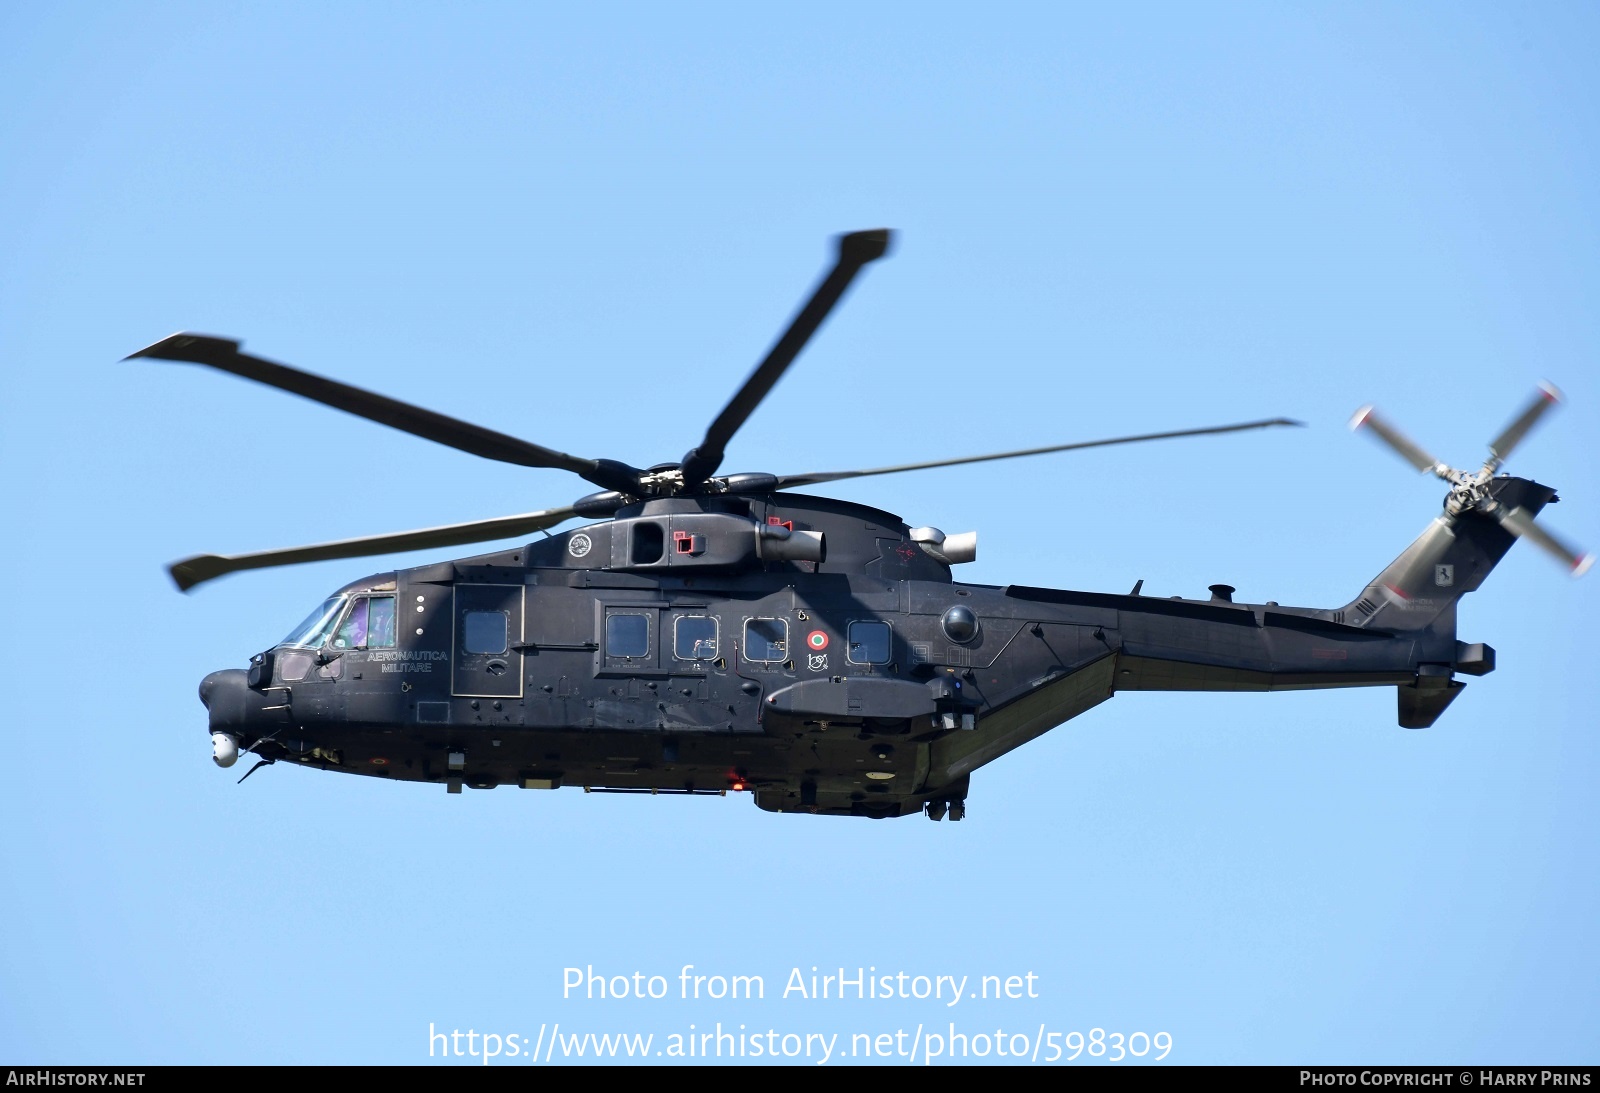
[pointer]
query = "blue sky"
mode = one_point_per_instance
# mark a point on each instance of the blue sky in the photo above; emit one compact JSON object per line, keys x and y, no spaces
{"x":583,"y":225}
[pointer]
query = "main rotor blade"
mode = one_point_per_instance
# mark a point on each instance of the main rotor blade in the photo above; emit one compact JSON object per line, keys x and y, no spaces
{"x":1410,"y":451}
{"x":1520,"y":522}
{"x":788,"y":481}
{"x":223,"y":354}
{"x":855,"y":251}
{"x":1547,"y":399}
{"x":205,"y":567}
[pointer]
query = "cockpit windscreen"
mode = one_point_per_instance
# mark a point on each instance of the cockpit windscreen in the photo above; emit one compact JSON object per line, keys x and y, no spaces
{"x":314,"y":631}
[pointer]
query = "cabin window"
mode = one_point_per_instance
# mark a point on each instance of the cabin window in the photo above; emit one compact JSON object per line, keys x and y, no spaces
{"x":695,"y":638}
{"x":766,"y":639}
{"x":627,"y":635}
{"x":869,"y":642}
{"x":484,"y":632}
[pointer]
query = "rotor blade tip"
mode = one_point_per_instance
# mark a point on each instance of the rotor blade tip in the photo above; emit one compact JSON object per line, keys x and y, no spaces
{"x":1550,"y":391}
{"x":195,"y":571}
{"x":154,"y":348}
{"x":1360,"y":417}
{"x":186,"y":346}
{"x":865,"y":246}
{"x":1581,"y":566}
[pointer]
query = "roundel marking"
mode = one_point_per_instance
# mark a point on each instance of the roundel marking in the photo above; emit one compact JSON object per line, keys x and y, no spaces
{"x":817,"y":640}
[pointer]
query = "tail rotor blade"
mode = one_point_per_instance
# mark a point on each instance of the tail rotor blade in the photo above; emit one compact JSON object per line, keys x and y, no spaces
{"x":1408,"y":449}
{"x":1547,"y":398}
{"x":1520,"y":522}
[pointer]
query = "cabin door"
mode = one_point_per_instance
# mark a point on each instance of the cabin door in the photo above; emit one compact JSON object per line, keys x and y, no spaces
{"x":485,"y":662}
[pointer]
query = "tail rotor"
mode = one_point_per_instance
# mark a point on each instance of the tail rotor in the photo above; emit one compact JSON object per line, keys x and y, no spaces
{"x":1470,"y":490}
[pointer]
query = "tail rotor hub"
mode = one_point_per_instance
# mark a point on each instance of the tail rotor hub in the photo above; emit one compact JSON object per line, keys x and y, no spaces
{"x":1468,"y":491}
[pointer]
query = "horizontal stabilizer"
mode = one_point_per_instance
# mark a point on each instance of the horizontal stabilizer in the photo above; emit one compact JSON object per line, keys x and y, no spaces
{"x":1421,"y":703}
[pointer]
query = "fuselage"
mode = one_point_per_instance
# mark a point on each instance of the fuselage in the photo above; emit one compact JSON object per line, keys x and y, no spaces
{"x":693,"y":646}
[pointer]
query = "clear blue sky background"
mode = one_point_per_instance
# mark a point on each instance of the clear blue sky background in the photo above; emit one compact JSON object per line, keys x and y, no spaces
{"x":584,"y":225}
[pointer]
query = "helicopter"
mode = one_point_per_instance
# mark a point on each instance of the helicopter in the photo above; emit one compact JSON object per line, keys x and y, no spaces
{"x":718,"y":632}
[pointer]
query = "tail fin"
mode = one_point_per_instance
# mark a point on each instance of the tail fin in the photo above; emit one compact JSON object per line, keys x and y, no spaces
{"x":1448,"y":560}
{"x":1415,"y":597}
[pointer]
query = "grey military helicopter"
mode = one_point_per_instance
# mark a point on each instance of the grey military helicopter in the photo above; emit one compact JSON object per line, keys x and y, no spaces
{"x":716,"y":633}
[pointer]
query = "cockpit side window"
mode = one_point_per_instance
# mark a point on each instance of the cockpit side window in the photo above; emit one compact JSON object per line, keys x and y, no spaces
{"x":369,"y":624}
{"x":352,"y":632}
{"x":380,"y":623}
{"x":314,"y":631}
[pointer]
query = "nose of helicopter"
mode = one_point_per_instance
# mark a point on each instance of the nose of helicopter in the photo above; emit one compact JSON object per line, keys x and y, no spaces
{"x":208,"y":687}
{"x":223,"y":695}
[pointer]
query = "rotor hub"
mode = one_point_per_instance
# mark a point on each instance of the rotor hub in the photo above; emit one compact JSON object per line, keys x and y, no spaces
{"x":1467,"y":491}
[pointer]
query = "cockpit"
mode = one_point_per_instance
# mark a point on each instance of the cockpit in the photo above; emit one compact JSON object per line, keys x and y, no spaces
{"x":348,"y":621}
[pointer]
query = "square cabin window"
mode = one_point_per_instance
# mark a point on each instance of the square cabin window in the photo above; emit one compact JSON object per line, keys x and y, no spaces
{"x":766,"y":639}
{"x":869,"y":643}
{"x":627,"y":636}
{"x":694,"y":637}
{"x":484,"y":632}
